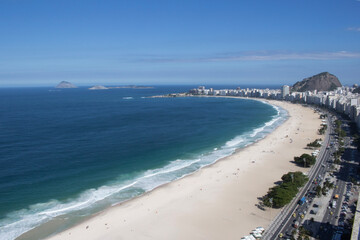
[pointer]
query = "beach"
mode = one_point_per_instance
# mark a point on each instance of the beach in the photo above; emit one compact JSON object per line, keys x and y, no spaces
{"x":216,"y":202}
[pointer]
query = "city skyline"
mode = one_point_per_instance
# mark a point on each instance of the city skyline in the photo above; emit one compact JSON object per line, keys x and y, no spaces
{"x":168,"y":42}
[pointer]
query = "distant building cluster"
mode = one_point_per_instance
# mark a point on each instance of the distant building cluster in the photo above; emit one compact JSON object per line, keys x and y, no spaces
{"x":342,"y":100}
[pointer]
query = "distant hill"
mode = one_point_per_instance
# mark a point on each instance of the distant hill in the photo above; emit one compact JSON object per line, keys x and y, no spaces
{"x":322,"y":82}
{"x":65,"y":84}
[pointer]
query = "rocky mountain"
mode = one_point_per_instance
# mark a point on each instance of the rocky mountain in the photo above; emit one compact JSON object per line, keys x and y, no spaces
{"x":65,"y":84}
{"x":321,"y":82}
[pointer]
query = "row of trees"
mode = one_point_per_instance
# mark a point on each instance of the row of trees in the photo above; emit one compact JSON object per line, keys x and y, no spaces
{"x":283,"y":193}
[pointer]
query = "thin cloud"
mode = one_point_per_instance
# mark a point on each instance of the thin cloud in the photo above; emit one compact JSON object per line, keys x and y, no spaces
{"x":255,"y":56}
{"x":354,"y":29}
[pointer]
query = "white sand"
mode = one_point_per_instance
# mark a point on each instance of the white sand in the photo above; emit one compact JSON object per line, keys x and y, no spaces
{"x":217,"y":202}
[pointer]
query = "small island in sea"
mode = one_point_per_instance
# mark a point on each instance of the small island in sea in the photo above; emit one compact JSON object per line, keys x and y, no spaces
{"x":98,"y":87}
{"x":65,"y":84}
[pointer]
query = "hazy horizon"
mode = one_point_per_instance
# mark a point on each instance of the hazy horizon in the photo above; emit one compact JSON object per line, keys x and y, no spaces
{"x":214,"y":85}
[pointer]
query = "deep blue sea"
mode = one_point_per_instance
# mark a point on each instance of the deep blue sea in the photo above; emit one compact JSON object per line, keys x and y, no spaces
{"x":74,"y":152}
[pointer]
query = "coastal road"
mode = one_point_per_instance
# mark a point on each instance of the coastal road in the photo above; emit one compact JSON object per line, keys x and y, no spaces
{"x":284,"y":220}
{"x":332,"y":216}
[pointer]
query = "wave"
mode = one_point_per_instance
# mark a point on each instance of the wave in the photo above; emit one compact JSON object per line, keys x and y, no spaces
{"x":92,"y":200}
{"x":128,"y":98}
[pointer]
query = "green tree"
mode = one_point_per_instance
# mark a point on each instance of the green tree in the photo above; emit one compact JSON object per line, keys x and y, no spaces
{"x":318,"y":191}
{"x":314,"y":144}
{"x":298,"y":178}
{"x":338,"y":123}
{"x":304,"y":233}
{"x":342,"y":133}
{"x":337,"y":161}
{"x":305,"y":160}
{"x":324,"y":191}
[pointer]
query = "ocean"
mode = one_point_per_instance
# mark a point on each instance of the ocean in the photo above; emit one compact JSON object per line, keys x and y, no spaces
{"x":69,"y":153}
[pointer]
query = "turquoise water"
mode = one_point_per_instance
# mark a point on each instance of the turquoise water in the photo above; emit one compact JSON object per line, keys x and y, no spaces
{"x":75,"y":151}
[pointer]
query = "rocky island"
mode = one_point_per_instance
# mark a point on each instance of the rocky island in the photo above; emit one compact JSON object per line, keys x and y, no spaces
{"x":98,"y":87}
{"x":65,"y":84}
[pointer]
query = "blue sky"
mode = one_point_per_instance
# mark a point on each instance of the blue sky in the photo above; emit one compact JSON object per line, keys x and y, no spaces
{"x":177,"y":42}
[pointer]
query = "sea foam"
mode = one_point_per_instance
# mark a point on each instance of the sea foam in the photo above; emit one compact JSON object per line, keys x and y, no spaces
{"x":19,"y":222}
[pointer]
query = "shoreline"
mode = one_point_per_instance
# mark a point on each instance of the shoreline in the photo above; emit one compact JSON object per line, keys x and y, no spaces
{"x":58,"y":224}
{"x":111,"y":215}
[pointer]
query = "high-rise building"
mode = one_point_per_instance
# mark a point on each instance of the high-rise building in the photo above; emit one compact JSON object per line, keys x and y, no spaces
{"x":285,"y":91}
